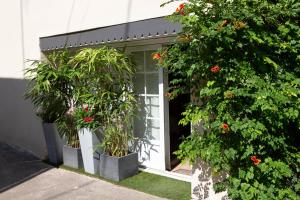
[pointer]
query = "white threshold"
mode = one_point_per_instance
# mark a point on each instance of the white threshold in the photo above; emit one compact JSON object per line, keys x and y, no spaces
{"x":174,"y":175}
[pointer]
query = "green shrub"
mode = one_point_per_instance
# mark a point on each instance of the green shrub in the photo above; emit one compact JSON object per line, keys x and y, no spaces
{"x":240,"y":61}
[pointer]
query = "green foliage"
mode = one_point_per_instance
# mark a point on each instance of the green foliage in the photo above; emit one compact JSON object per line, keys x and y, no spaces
{"x":51,"y":89}
{"x":240,"y":60}
{"x":67,"y":127}
{"x":48,"y":86}
{"x":105,"y":84}
{"x":116,"y":140}
{"x":118,"y":128}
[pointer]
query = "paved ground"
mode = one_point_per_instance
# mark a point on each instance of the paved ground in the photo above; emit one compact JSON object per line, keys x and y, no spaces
{"x":23,"y":177}
{"x":17,"y":165}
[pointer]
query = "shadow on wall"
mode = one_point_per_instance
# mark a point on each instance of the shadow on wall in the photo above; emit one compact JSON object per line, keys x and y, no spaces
{"x":202,"y":183}
{"x":19,"y":124}
{"x":202,"y":179}
{"x":18,"y":166}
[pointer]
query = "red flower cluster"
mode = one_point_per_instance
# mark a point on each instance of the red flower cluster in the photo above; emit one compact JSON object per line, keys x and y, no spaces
{"x":180,"y":8}
{"x":88,"y":119}
{"x":255,"y":160}
{"x":156,"y":56}
{"x":215,"y":69}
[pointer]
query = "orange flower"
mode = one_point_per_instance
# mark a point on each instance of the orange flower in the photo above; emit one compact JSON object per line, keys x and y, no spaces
{"x":224,"y":23}
{"x":225,"y":126}
{"x":215,"y":69}
{"x":180,"y":8}
{"x":168,"y":94}
{"x":156,"y":56}
{"x":255,"y":160}
{"x":228,"y":95}
{"x":239,"y":25}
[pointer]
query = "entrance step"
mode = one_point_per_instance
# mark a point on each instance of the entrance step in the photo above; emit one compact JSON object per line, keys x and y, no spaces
{"x":184,"y":168}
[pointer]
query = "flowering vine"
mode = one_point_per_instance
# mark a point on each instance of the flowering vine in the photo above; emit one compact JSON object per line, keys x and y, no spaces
{"x":242,"y":62}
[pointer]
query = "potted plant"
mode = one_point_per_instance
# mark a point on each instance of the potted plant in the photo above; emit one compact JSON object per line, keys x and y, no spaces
{"x":105,"y":91}
{"x":72,"y":156}
{"x":47,"y":88}
{"x":89,"y":137}
{"x":118,"y":162}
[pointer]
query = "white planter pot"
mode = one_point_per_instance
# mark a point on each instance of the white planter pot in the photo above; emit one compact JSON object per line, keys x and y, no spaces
{"x":54,"y":143}
{"x":91,"y":156}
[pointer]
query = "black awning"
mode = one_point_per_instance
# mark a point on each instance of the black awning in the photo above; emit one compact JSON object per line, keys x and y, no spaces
{"x":144,"y":29}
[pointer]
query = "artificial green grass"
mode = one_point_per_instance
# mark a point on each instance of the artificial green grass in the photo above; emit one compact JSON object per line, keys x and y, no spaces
{"x":159,"y":186}
{"x":150,"y":183}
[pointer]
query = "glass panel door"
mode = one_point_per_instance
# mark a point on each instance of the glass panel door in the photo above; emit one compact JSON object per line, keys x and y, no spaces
{"x":147,"y":124}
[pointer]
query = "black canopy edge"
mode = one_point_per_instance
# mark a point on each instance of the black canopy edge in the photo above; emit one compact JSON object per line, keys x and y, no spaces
{"x":138,"y":30}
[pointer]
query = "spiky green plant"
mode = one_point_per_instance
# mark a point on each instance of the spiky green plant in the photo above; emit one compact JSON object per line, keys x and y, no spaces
{"x":105,"y":85}
{"x":51,"y":89}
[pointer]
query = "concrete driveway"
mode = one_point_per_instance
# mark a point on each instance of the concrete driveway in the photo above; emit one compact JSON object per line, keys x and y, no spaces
{"x":24,"y":177}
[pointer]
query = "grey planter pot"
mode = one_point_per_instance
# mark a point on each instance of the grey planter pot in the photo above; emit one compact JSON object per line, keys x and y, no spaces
{"x":88,"y":143}
{"x":72,"y":157}
{"x":54,"y":143}
{"x":118,"y":168}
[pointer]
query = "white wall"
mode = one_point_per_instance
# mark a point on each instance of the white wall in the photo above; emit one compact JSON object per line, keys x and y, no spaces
{"x":50,"y":17}
{"x":18,"y":124}
{"x":22,"y":23}
{"x":11,"y":40}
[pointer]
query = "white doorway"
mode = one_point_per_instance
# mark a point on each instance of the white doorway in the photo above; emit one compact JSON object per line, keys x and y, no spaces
{"x":151,"y":123}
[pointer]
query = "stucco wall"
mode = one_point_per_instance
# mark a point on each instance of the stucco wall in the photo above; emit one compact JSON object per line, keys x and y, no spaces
{"x":18,"y":124}
{"x":22,"y":23}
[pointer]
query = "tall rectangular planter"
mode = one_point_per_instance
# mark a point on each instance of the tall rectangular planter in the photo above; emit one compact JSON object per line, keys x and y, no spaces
{"x":118,"y":168}
{"x":90,"y":156}
{"x":54,"y":143}
{"x":72,"y":157}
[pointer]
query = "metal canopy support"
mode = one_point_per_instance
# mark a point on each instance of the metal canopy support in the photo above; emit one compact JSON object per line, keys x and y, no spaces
{"x":139,"y":30}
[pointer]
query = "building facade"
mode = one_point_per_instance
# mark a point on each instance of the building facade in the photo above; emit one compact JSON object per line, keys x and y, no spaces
{"x":32,"y":28}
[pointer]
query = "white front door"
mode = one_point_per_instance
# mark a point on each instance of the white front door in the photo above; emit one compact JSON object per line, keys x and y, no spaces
{"x":149,"y":125}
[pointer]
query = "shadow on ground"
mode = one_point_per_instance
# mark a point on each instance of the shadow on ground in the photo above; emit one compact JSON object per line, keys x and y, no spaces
{"x":17,"y":166}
